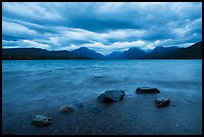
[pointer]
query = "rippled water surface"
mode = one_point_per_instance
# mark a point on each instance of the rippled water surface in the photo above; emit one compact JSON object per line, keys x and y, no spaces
{"x":31,"y":87}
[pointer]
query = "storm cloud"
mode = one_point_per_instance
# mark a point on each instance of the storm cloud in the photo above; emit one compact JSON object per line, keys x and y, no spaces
{"x":101,"y":26}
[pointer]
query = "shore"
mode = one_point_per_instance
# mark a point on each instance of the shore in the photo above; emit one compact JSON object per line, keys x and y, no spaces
{"x":133,"y":115}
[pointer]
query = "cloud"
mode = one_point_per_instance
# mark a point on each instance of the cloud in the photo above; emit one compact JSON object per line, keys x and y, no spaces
{"x":103,"y":27}
{"x":13,"y":29}
{"x":31,"y":10}
{"x":23,"y":44}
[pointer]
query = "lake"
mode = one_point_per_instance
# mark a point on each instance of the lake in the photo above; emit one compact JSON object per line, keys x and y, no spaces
{"x":31,"y":87}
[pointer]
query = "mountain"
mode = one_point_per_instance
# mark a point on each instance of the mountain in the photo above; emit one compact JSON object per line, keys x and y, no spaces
{"x":114,"y":55}
{"x":37,"y":53}
{"x":133,"y":53}
{"x":163,"y":49}
{"x":160,"y":51}
{"x":191,"y":52}
{"x":85,"y":52}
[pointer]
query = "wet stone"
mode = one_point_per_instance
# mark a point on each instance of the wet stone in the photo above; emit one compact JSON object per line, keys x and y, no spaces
{"x":41,"y":120}
{"x":162,"y":102}
{"x":66,"y":109}
{"x":94,"y":109}
{"x":147,"y":90}
{"x":79,"y":105}
{"x":111,"y":96}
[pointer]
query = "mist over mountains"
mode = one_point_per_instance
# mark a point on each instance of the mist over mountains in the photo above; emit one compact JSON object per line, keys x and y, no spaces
{"x":192,"y":52}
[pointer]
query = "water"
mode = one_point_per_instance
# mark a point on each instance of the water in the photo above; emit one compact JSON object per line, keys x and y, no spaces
{"x":39,"y":86}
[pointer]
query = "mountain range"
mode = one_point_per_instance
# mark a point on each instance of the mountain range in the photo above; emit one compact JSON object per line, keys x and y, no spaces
{"x":192,"y":52}
{"x":85,"y":52}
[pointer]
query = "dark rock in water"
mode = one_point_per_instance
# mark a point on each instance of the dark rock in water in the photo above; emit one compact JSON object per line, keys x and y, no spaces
{"x":98,"y":76}
{"x":147,"y":90}
{"x":162,"y":102}
{"x":79,"y":105}
{"x":111,"y":95}
{"x":65,"y":109}
{"x":41,"y":120}
{"x":94,"y":109}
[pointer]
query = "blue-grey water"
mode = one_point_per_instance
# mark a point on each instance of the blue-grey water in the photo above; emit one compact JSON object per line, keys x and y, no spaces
{"x":31,"y":87}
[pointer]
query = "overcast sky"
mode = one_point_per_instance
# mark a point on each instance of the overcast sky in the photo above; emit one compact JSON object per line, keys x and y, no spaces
{"x":101,"y":26}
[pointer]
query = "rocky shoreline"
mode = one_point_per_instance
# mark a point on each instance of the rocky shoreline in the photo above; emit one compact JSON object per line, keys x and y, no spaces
{"x":137,"y":115}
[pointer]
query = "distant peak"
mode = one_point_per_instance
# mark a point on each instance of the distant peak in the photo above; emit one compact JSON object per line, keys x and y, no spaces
{"x":83,"y":48}
{"x":159,"y":47}
{"x":134,"y":49}
{"x":117,"y":52}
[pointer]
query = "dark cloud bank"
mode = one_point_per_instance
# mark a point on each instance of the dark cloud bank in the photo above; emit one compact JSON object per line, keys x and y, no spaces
{"x":104,"y":27}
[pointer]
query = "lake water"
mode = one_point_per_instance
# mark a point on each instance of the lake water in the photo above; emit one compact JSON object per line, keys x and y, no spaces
{"x":30,"y":87}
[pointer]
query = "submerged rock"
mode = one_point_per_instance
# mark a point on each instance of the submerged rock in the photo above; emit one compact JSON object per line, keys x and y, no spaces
{"x":162,"y":102}
{"x":79,"y":105}
{"x":147,"y":90}
{"x":41,"y":120}
{"x":111,"y":95}
{"x":94,"y":109}
{"x":98,"y":76}
{"x":65,"y":109}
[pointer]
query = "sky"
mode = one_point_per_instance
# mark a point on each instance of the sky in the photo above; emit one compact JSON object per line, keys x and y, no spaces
{"x":101,"y":26}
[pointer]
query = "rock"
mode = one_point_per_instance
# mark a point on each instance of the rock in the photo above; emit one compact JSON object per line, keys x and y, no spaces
{"x":79,"y":105}
{"x":41,"y":120}
{"x":147,"y":90}
{"x":65,"y":109}
{"x":111,"y":95}
{"x":98,"y":76}
{"x":94,"y":109}
{"x":162,"y":102}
